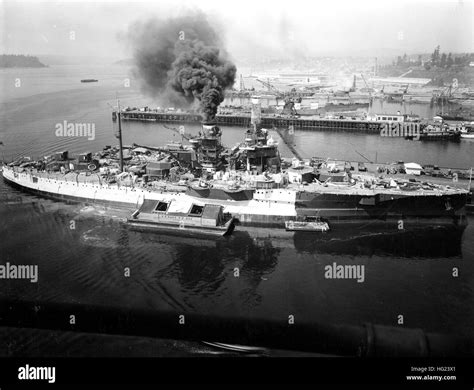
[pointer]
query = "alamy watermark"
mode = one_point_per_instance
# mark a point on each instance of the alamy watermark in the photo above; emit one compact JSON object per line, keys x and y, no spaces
{"x":69,"y":129}
{"x":409,"y":130}
{"x":347,"y":271}
{"x":28,"y":372}
{"x":13,"y":271}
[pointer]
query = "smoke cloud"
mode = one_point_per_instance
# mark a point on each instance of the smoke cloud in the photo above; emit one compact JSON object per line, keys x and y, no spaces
{"x":182,"y":61}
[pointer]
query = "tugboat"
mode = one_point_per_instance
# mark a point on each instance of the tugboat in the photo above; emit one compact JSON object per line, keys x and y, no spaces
{"x":309,"y":224}
{"x":438,"y":130}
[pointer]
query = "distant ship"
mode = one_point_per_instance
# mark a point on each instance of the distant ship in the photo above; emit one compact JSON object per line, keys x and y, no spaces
{"x":439,"y":130}
{"x":248,"y":181}
{"x":468,"y":131}
{"x":89,"y":81}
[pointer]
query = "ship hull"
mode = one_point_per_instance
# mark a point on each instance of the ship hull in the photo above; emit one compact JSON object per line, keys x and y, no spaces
{"x":383,"y":210}
{"x":44,"y":193}
{"x":220,"y":194}
{"x":440,"y":137}
{"x":196,"y":231}
{"x":264,"y":211}
{"x":247,"y":212}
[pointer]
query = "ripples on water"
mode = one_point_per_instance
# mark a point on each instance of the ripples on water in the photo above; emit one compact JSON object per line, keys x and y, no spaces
{"x":405,"y":273}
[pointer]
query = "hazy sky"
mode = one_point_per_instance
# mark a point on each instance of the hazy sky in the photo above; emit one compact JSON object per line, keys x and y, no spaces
{"x":251,"y":28}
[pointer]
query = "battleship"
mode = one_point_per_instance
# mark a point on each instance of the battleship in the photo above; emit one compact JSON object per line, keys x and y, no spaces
{"x":248,"y":182}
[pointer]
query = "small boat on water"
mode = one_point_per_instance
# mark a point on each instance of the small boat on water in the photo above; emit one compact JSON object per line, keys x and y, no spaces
{"x":439,"y":131}
{"x":468,"y":131}
{"x":309,"y":224}
{"x":182,"y":218}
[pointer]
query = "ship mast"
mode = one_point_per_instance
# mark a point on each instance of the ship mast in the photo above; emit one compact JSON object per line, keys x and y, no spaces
{"x":119,"y":114}
{"x":470,"y":180}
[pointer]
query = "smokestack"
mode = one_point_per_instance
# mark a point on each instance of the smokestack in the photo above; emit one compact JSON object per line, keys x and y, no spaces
{"x":210,"y":129}
{"x":256,"y":112}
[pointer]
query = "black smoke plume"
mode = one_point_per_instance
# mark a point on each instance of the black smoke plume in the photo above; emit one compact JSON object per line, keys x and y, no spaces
{"x":182,"y":61}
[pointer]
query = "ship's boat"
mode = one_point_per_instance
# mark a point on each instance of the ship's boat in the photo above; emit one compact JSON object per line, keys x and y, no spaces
{"x":182,"y":217}
{"x":307,"y":225}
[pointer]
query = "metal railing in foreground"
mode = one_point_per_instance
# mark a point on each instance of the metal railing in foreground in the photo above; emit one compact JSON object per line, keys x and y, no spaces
{"x":344,"y":340}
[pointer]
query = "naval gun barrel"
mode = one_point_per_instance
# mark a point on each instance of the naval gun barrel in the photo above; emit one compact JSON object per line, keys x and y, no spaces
{"x":288,"y":144}
{"x":343,"y":340}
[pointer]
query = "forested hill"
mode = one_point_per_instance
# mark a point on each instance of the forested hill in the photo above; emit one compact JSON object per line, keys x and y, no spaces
{"x":20,"y":61}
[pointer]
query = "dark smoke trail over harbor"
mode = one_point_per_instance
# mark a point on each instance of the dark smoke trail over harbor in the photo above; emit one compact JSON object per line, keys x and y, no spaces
{"x":182,"y":61}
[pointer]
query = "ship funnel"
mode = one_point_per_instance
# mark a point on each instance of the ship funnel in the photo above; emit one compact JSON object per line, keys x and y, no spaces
{"x":210,"y":129}
{"x":256,"y":113}
{"x":209,"y":147}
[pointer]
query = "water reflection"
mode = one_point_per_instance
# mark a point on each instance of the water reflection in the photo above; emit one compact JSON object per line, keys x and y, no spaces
{"x":201,"y":261}
{"x":428,"y":242}
{"x":422,"y":243}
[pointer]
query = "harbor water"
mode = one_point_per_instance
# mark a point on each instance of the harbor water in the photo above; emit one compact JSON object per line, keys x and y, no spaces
{"x":405,"y":274}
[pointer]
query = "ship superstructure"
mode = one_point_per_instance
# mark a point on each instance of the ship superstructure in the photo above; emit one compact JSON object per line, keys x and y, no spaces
{"x":259,"y":152}
{"x":209,"y":147}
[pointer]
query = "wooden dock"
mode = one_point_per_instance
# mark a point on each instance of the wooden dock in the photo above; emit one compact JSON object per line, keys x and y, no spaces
{"x":268,"y":121}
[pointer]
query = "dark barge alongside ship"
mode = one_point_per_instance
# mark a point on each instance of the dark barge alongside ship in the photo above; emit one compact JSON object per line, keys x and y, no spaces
{"x":207,"y":220}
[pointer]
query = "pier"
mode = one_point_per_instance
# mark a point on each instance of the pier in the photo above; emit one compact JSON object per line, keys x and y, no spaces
{"x":268,"y":121}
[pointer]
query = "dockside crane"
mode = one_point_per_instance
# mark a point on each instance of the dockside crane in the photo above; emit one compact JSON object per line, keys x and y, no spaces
{"x":354,"y":85}
{"x":180,"y":132}
{"x":242,"y":85}
{"x":271,"y":87}
{"x":365,"y":81}
{"x":369,"y":89}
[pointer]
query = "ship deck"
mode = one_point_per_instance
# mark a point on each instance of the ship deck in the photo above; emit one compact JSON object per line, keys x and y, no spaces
{"x":329,"y":188}
{"x":97,"y":179}
{"x":359,"y":189}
